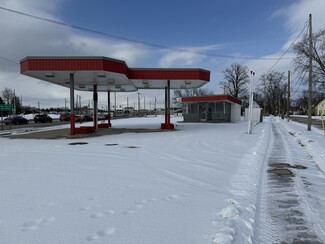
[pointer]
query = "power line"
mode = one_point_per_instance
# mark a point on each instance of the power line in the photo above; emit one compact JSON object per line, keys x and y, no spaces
{"x":288,"y":48}
{"x":292,"y":43}
{"x":302,"y":79}
{"x":144,"y":43}
{"x":294,"y":79}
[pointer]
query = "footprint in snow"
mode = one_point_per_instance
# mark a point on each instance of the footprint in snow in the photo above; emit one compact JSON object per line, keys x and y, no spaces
{"x":171,"y":197}
{"x":110,"y":212}
{"x":134,"y":208}
{"x":101,"y":234}
{"x":97,"y":206}
{"x":137,"y":205}
{"x":97,"y":215}
{"x":36,"y":224}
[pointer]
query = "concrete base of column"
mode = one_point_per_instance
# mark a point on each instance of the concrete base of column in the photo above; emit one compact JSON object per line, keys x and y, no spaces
{"x":166,"y":126}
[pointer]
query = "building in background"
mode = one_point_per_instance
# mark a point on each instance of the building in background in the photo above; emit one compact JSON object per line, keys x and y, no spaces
{"x":319,"y":108}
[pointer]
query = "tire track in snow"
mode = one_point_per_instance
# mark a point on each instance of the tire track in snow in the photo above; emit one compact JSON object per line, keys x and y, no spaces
{"x":290,"y":212}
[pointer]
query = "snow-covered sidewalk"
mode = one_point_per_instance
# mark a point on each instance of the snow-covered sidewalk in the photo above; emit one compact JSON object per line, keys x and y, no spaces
{"x":198,"y":184}
{"x":291,"y":208}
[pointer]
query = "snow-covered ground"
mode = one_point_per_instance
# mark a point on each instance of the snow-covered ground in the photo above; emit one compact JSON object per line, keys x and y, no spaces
{"x":198,"y":184}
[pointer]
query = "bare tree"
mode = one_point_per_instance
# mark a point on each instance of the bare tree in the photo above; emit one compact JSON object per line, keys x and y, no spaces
{"x":236,"y":77}
{"x":273,"y":88}
{"x":318,"y":56}
{"x":8,"y":94}
{"x":179,"y":93}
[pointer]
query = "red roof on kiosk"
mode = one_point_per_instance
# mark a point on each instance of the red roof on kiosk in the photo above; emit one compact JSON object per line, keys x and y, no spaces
{"x":109,"y":74}
{"x":211,"y":98}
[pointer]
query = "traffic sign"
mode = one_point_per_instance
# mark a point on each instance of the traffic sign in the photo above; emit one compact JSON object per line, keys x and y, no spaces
{"x":5,"y":107}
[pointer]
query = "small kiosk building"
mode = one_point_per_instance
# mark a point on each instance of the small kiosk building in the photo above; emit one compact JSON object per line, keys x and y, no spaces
{"x":213,"y":108}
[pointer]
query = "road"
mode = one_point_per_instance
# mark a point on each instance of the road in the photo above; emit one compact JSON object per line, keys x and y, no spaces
{"x":32,"y":124}
{"x":315,"y":122}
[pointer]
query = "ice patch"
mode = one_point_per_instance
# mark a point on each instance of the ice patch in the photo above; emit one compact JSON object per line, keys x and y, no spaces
{"x":229,"y":212}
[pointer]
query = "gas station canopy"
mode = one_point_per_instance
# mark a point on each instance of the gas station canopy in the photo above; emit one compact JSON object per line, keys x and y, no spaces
{"x":102,"y":74}
{"x":109,"y":74}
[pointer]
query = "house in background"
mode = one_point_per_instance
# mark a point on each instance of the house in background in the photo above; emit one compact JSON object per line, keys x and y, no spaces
{"x":319,"y":108}
{"x":212,"y":108}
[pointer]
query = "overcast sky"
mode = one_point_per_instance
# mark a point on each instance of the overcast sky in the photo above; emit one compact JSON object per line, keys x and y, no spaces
{"x":227,"y":31}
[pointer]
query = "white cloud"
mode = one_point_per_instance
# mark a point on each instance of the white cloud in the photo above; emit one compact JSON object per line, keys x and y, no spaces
{"x":24,"y":36}
{"x":190,"y":57}
{"x":297,"y":14}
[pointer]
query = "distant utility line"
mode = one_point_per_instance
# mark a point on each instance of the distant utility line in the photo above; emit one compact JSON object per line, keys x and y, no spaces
{"x":8,"y":60}
{"x":144,"y":43}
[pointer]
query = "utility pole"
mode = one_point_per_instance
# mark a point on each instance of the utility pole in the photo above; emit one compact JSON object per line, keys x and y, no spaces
{"x":14,"y":101}
{"x":139,"y":101}
{"x":115,"y":103}
{"x":288,"y":101}
{"x":127,"y":102}
{"x":144,"y":103}
{"x":155,"y":107}
{"x":21,"y":103}
{"x":310,"y":72}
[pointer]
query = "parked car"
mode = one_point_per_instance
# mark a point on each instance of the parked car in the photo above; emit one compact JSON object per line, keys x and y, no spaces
{"x":66,"y":117}
{"x":43,"y":118}
{"x":102,"y":117}
{"x":16,"y":120}
{"x":87,"y":118}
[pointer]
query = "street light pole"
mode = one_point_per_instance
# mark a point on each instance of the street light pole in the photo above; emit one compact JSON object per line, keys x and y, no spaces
{"x":115,"y":103}
{"x":250,"y":107}
{"x":224,"y":86}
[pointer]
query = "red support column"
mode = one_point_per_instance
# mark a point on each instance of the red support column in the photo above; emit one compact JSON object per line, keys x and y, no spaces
{"x":109,"y":109}
{"x":95,"y":98}
{"x":167,"y":125}
{"x":72,"y":125}
{"x":166,"y":103}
